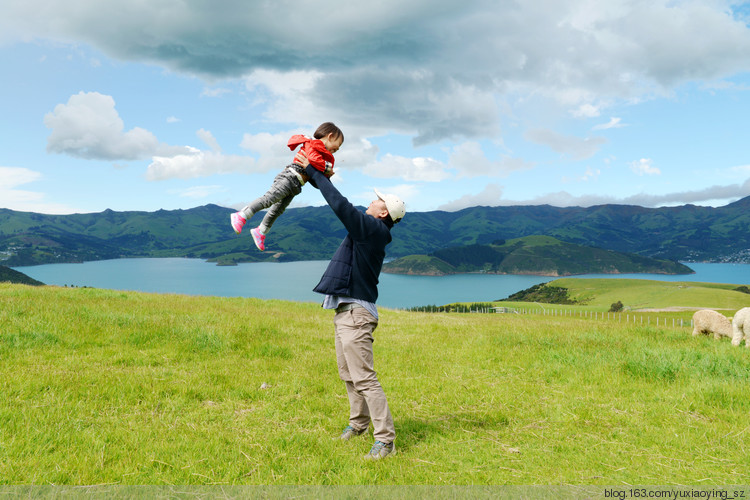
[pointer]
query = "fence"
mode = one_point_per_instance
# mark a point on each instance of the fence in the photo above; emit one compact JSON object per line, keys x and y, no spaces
{"x":623,"y":317}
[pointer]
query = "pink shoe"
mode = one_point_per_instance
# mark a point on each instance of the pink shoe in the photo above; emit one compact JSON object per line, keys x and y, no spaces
{"x":259,"y":238}
{"x":237,"y":220}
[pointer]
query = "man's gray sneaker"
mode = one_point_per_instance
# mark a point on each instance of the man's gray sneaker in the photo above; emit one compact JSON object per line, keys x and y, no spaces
{"x":350,"y":431}
{"x":381,"y":450}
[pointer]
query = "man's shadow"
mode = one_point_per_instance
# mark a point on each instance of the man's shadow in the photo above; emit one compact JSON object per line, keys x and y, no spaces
{"x":412,"y":430}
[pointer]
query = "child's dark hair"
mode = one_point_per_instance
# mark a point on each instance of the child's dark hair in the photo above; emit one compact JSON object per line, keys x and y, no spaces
{"x":329,"y":128}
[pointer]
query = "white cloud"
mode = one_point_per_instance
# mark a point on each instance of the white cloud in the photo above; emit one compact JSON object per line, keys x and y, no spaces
{"x":215,"y":92}
{"x":269,"y":153}
{"x":470,"y":160}
{"x":612,"y":123}
{"x":410,"y":67}
{"x":198,"y":192}
{"x":288,"y":93}
{"x":26,"y":201}
{"x":16,"y":176}
{"x":390,"y":68}
{"x":590,"y":174}
{"x":408,"y":169}
{"x":644,"y":167}
{"x":271,"y":150}
{"x":209,"y":139}
{"x":467,"y":159}
{"x":573,"y":147}
{"x":355,"y":154}
{"x":196,"y":163}
{"x":586,"y":110}
{"x":89,"y":127}
{"x":405,"y":192}
{"x":743,"y":171}
{"x":727,"y":194}
{"x":490,"y":196}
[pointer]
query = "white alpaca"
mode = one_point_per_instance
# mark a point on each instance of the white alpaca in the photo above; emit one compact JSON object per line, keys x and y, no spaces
{"x":741,"y":327}
{"x":709,"y":321}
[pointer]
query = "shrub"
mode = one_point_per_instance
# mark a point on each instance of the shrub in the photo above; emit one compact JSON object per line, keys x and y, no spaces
{"x":543,"y":293}
{"x":616,"y":307}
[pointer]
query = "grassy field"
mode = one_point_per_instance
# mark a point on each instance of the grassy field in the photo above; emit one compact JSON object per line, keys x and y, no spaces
{"x":108,"y":387}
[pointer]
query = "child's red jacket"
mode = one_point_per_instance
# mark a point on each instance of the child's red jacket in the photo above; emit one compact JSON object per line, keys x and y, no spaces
{"x":316,"y":152}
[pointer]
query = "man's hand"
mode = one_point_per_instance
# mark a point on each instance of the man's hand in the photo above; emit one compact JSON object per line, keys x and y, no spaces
{"x":301,"y":158}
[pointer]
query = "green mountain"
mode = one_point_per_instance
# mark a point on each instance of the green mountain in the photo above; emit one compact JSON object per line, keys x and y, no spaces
{"x":202,"y":232}
{"x":686,"y":233}
{"x":12,"y":276}
{"x":537,"y":255}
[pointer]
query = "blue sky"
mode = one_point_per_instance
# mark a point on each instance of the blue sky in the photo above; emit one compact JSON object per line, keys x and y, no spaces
{"x":173,"y":104}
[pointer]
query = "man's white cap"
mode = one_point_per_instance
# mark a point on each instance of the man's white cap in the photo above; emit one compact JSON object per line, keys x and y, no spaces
{"x":396,"y":207}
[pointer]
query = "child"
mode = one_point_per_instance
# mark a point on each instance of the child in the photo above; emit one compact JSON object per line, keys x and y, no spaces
{"x":288,"y":183}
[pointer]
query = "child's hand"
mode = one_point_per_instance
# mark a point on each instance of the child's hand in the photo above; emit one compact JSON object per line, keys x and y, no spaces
{"x":301,"y":158}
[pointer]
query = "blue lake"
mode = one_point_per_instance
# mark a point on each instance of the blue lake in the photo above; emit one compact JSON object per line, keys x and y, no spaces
{"x":295,"y":280}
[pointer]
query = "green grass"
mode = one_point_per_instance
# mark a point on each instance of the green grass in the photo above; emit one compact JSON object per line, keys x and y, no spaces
{"x":108,"y":387}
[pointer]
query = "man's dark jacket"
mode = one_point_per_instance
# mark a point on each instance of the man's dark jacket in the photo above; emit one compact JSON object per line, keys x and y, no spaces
{"x":355,"y":267}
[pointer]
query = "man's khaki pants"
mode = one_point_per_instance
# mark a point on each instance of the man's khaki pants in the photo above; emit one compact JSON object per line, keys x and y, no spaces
{"x":356,"y":368}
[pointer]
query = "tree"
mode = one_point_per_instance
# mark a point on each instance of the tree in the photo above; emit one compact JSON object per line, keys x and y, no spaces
{"x":616,"y":307}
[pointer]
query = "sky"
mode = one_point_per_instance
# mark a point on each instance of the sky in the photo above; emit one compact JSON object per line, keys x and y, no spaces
{"x":172,"y":104}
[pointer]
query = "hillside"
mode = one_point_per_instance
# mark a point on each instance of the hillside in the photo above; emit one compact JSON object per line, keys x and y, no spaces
{"x":202,"y":232}
{"x":638,"y":295}
{"x":686,"y":233}
{"x":148,"y":389}
{"x":537,"y":255}
{"x":9,"y":275}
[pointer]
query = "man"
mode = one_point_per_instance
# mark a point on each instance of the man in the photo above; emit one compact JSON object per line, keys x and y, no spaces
{"x":350,"y":288}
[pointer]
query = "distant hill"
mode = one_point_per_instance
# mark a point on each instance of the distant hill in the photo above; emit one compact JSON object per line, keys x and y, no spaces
{"x":203,"y":232}
{"x":637,"y":294}
{"x":537,"y":255}
{"x":685,"y":233}
{"x":12,"y":276}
